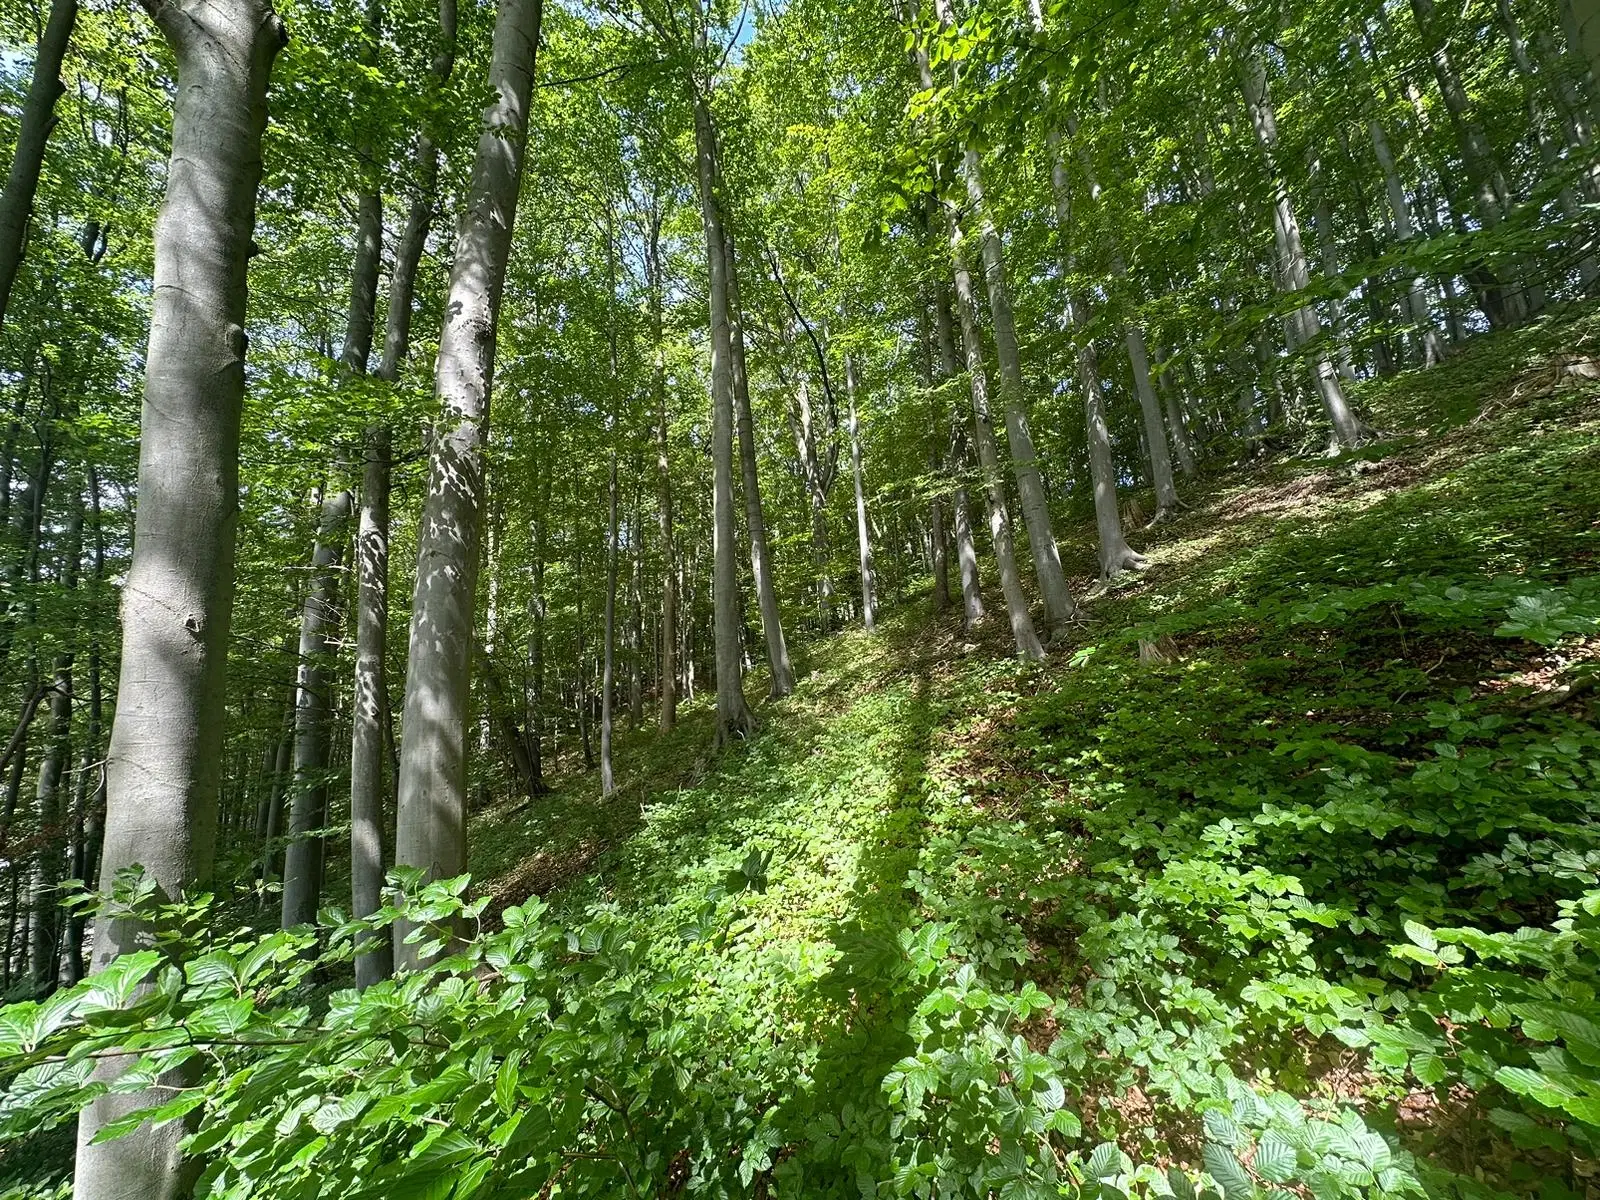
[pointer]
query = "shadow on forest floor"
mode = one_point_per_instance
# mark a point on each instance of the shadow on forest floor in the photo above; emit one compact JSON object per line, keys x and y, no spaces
{"x":1204,"y":860}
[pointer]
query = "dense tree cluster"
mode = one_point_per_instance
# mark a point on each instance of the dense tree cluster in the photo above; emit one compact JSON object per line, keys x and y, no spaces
{"x":401,"y":400}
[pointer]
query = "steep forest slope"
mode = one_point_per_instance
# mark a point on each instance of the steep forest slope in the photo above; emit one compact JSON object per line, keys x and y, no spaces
{"x":1368,"y":714}
{"x":1281,"y":880}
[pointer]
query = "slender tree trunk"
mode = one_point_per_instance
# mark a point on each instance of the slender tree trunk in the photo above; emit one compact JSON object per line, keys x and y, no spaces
{"x":313,"y":717}
{"x":608,"y":781}
{"x":1115,"y":553}
{"x":430,"y":828}
{"x":1293,"y":272}
{"x":419,"y":219}
{"x":636,"y":609}
{"x":165,"y":757}
{"x":1584,"y":17}
{"x":1059,"y":605}
{"x":1487,"y":179}
{"x":1432,"y":345}
{"x":733,"y":715}
{"x":1160,"y":456}
{"x":1022,"y":629}
{"x":667,"y":691}
{"x":755,"y":519}
{"x":668,"y":686}
{"x":279,"y":764}
{"x":939,"y":557}
{"x":90,"y":786}
{"x":367,"y":750}
{"x":1181,"y":445}
{"x":367,"y":740}
{"x":46,"y":923}
{"x":869,"y":579}
{"x":38,"y":121}
{"x":966,"y":549}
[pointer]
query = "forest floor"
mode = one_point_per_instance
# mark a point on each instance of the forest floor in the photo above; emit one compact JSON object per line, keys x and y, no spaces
{"x":1205,"y":861}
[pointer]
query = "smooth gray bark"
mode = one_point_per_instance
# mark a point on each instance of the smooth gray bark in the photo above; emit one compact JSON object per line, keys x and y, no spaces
{"x":368,"y":747}
{"x":1486,"y":177}
{"x":313,"y":715}
{"x":816,"y":440}
{"x":419,"y":218}
{"x":1432,"y":345}
{"x":33,"y":134}
{"x":430,"y":825}
{"x":961,"y":510}
{"x":1294,"y":273}
{"x":1176,"y":425}
{"x":733,"y":714}
{"x":45,"y":956}
{"x":1160,"y":455}
{"x":667,"y":687}
{"x":1584,"y":15}
{"x":1059,"y":605}
{"x":755,"y":517}
{"x":936,"y":433}
{"x":1116,"y":555}
{"x":164,"y":763}
{"x":608,"y":781}
{"x":1022,"y":631}
{"x":869,"y":573}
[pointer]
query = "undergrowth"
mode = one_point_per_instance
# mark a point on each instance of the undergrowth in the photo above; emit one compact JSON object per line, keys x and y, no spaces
{"x":1305,"y":906}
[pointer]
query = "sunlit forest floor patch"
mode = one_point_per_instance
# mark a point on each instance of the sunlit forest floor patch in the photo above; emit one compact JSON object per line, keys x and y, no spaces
{"x":944,"y":908}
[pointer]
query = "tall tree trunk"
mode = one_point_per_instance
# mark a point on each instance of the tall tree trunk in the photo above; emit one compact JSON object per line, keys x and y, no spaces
{"x":1584,"y":17}
{"x":430,"y":826}
{"x":1059,"y":605}
{"x":1550,"y":152}
{"x":755,"y":519}
{"x":1293,"y":272}
{"x":1432,"y":345}
{"x":165,"y":757}
{"x":1115,"y":553}
{"x":90,"y":786}
{"x":1160,"y":456}
{"x":280,"y":767}
{"x":367,"y":751}
{"x":45,"y":956}
{"x":419,"y":218}
{"x":370,"y":703}
{"x":1491,"y":193}
{"x":608,"y":780}
{"x":313,"y":716}
{"x":939,"y":558}
{"x":38,"y":120}
{"x":1181,"y":445}
{"x":667,"y":690}
{"x":1022,"y":630}
{"x":869,"y":580}
{"x":733,"y":715}
{"x":966,"y":549}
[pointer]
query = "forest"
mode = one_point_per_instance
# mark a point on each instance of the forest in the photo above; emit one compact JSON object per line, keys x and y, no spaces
{"x":800,"y":598}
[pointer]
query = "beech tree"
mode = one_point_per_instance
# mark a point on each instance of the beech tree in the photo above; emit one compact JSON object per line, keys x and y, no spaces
{"x":430,"y":830}
{"x":164,"y":765}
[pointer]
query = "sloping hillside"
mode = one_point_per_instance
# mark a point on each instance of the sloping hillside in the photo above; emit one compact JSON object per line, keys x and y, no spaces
{"x":951,"y":918}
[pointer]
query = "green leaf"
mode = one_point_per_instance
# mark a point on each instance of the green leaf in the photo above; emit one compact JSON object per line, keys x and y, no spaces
{"x":1226,"y":1169}
{"x":1275,"y":1159}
